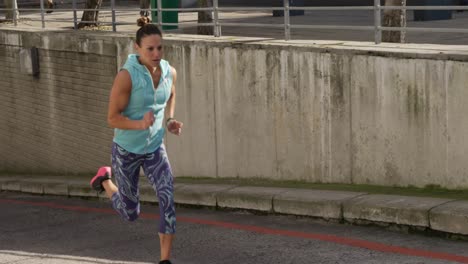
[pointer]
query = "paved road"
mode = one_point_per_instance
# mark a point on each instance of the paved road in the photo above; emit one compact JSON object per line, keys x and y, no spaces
{"x":41,"y":229}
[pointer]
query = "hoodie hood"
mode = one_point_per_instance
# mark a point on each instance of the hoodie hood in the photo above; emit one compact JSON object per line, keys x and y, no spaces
{"x":132,"y":61}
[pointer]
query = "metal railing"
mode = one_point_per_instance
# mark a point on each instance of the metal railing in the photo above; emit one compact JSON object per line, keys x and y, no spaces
{"x":217,"y":24}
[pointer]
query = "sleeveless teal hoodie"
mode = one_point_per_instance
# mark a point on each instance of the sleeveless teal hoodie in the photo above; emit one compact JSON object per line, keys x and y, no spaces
{"x":144,"y":98}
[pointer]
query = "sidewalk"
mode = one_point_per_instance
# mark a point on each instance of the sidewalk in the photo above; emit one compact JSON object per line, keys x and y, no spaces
{"x":421,"y":213}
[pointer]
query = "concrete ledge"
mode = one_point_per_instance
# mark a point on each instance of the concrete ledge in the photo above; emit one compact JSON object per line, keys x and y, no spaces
{"x":200,"y":194}
{"x":147,"y":194}
{"x":402,"y":210}
{"x":82,"y":190}
{"x":451,"y":217}
{"x":254,"y":198}
{"x":56,"y":189}
{"x":32,"y":187}
{"x":317,"y":203}
{"x":395,"y":50}
{"x":11,"y":186}
{"x":7,"y":179}
{"x":443,"y":215}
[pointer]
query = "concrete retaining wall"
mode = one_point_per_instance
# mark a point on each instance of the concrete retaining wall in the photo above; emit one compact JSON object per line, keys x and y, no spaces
{"x":318,"y":112}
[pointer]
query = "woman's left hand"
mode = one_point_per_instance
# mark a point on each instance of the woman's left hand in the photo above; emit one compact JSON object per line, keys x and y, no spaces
{"x":175,"y":127}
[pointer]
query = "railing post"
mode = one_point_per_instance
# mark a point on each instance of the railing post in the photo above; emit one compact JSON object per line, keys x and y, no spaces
{"x":14,"y":8}
{"x":114,"y":27}
{"x":377,"y":22}
{"x":159,"y":14}
{"x":287,"y":21}
{"x":42,"y":14}
{"x":75,"y":23}
{"x":217,"y":28}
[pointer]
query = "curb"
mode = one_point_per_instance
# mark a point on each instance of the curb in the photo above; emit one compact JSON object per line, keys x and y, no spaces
{"x":430,"y":214}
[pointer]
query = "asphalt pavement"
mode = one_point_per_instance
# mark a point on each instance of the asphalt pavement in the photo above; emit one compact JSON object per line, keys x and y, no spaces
{"x":55,"y":229}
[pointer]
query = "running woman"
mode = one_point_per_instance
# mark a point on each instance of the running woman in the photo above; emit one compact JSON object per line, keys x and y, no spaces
{"x":142,"y":99}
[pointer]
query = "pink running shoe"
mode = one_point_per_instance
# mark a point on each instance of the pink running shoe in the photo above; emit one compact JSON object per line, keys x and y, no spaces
{"x":103,"y":174}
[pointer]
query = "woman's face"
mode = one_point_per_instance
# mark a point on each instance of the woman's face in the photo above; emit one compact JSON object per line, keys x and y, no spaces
{"x":150,"y":50}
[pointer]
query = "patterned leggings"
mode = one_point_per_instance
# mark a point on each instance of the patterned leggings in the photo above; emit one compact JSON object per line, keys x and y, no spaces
{"x":126,"y":168}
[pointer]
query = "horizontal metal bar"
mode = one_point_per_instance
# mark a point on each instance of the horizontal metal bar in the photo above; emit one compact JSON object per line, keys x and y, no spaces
{"x":169,"y":24}
{"x":252,"y":25}
{"x":134,"y":9}
{"x":71,"y":21}
{"x":313,"y":8}
{"x":424,"y":7}
{"x":195,"y":9}
{"x":331,"y":8}
{"x":149,"y":9}
{"x":165,"y":9}
{"x":131,"y":9}
{"x":321,"y":8}
{"x":47,"y":20}
{"x":370,"y":28}
{"x":318,"y":8}
{"x":57,"y":10}
{"x":106,"y":9}
{"x":221,"y":9}
{"x":99,"y":22}
{"x":420,"y":29}
{"x":52,"y":20}
{"x":84,"y":9}
{"x":234,"y":9}
{"x":185,"y":24}
{"x":21,"y":9}
{"x":124,"y":23}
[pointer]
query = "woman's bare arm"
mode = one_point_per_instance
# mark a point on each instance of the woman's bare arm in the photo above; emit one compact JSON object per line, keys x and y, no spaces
{"x":119,"y":97}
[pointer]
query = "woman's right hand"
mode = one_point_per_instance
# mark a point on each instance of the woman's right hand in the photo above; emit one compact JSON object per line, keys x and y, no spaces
{"x":147,"y":121}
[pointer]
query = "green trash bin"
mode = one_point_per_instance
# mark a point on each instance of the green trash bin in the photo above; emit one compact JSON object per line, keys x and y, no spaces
{"x":167,"y":16}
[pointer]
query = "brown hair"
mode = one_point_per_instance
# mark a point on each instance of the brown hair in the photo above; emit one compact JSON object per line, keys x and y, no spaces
{"x":143,"y":21}
{"x":146,"y":29}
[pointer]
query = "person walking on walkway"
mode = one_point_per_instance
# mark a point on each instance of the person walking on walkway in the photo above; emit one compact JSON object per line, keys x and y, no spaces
{"x":142,"y":97}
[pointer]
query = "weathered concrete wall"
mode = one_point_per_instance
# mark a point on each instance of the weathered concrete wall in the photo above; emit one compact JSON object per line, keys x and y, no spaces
{"x":319,"y":112}
{"x":55,"y":123}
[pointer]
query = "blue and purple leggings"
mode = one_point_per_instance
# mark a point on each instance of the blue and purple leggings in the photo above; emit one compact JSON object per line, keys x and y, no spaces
{"x":126,"y":169}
